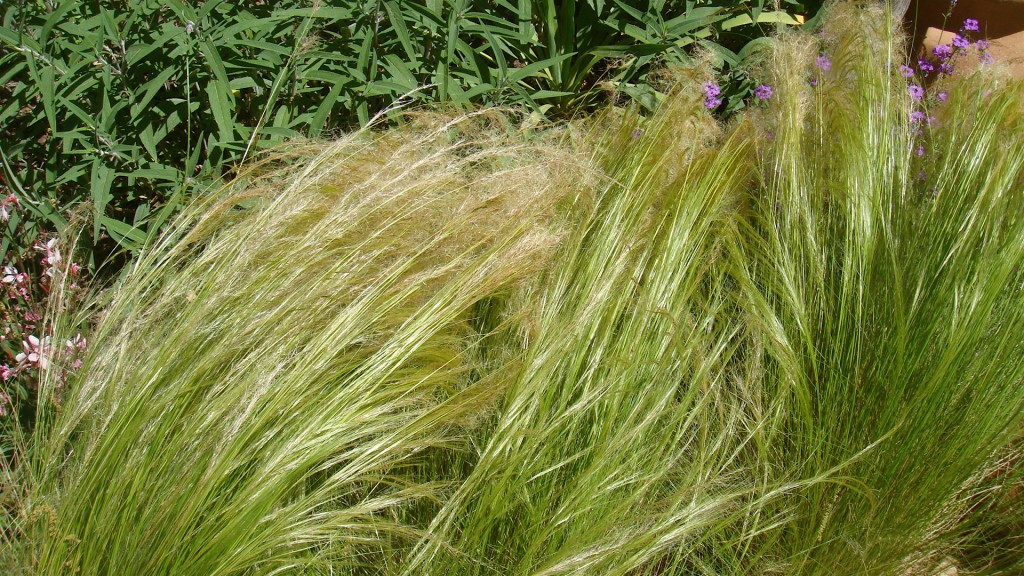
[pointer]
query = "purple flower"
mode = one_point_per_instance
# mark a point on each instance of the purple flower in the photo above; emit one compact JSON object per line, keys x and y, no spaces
{"x":970,"y":25}
{"x":943,"y":51}
{"x":915,"y":91}
{"x":942,"y":96}
{"x":920,"y":150}
{"x":711,"y":92}
{"x":982,"y":45}
{"x":906,"y":71}
{"x":763,"y":92}
{"x":814,"y":81}
{"x":925,"y":66}
{"x":917,"y":116}
{"x":960,"y":42}
{"x":824,"y":63}
{"x":986,"y":58}
{"x":946,"y":68}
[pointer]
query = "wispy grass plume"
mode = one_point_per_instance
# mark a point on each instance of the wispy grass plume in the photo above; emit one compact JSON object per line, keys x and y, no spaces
{"x":888,"y":296}
{"x":259,"y":376}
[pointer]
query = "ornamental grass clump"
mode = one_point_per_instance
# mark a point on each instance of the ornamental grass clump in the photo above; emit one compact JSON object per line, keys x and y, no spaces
{"x":890,"y":304}
{"x":631,"y":346}
{"x":264,"y":374}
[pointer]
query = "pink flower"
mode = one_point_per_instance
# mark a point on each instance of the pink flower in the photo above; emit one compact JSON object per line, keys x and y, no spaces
{"x":6,"y":372}
{"x":17,"y":280}
{"x":52,"y":258}
{"x":5,"y":401}
{"x":76,"y":343}
{"x":34,"y":352}
{"x":6,"y":204}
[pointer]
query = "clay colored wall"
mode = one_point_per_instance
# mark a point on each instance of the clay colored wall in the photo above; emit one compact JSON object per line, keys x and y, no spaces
{"x":997,"y":18}
{"x":1000,"y":21}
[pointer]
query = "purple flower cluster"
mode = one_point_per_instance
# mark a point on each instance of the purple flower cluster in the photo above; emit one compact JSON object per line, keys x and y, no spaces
{"x":919,"y":116}
{"x":944,"y":54}
{"x":824,"y":64}
{"x":711,"y":95}
{"x":985,"y":57}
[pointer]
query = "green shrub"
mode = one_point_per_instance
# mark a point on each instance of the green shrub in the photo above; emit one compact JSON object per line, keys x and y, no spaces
{"x":632,"y":347}
{"x":131,"y":107}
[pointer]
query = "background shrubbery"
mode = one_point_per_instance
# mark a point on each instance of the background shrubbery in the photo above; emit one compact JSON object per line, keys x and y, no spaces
{"x":130,"y":106}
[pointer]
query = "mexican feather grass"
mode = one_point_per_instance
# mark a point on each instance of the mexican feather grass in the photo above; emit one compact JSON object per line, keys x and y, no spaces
{"x":622,"y":347}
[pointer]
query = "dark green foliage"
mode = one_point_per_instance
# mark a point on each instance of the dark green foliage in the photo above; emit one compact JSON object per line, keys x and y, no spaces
{"x":132,"y":105}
